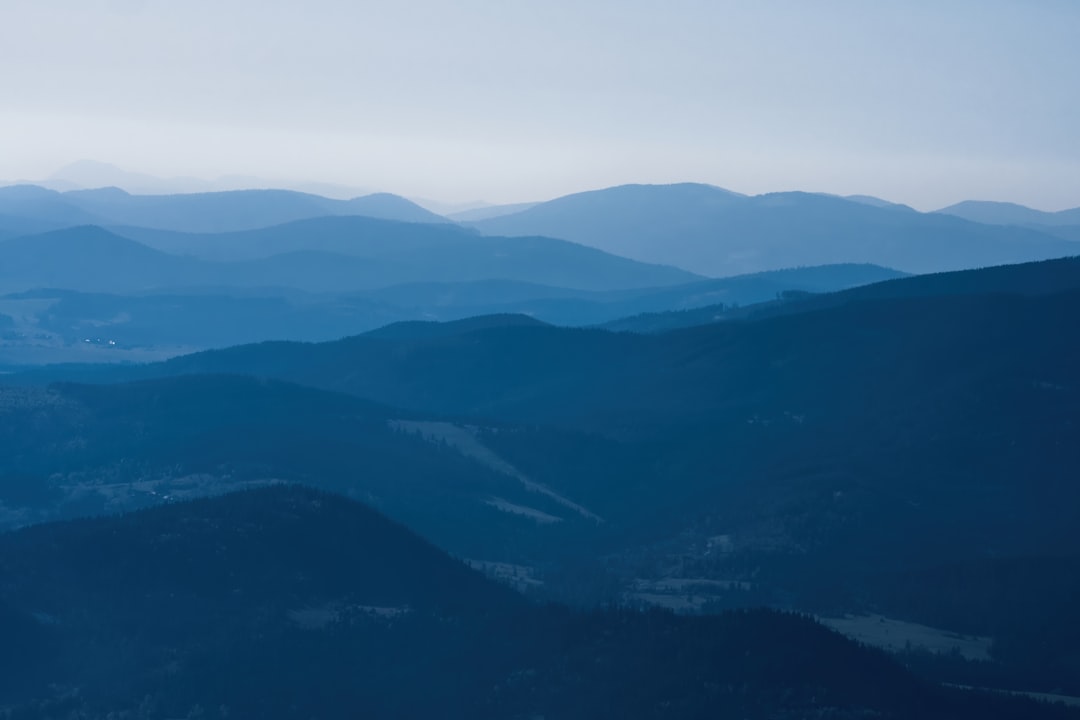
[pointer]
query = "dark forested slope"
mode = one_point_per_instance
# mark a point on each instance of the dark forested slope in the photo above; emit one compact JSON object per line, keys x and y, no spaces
{"x":286,"y":602}
{"x":823,"y":460}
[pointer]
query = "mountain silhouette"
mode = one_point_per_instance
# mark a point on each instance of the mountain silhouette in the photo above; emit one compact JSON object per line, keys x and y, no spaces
{"x":197,"y":212}
{"x":1001,"y":213}
{"x":332,"y":254}
{"x":183,"y":318}
{"x":716,"y":232}
{"x":42,"y":209}
{"x":88,"y":258}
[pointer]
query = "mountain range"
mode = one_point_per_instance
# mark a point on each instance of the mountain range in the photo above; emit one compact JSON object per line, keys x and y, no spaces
{"x":693,"y":493}
{"x":232,"y":271}
{"x":700,"y":228}
{"x":56,"y":325}
{"x":999,"y":213}
{"x":843,"y":457}
{"x":196,"y":212}
{"x":91,"y":174}
{"x":716,"y":232}
{"x":331,"y":254}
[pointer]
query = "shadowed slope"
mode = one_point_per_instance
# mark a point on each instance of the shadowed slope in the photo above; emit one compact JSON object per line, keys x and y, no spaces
{"x":284,"y":602}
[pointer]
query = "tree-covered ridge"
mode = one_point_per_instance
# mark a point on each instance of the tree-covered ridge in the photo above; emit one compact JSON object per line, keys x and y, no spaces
{"x":286,"y":602}
{"x":862,"y":457}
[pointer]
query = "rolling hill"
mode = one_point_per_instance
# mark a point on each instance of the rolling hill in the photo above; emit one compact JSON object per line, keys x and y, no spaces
{"x":323,"y":255}
{"x":88,"y":258}
{"x":82,"y":449}
{"x":394,"y":253}
{"x":197,"y":212}
{"x":284,"y":601}
{"x":54,"y":325}
{"x":922,"y":397}
{"x":41,"y":209}
{"x":1000,"y":213}
{"x":521,"y":352}
{"x":715,"y":232}
{"x":833,"y":460}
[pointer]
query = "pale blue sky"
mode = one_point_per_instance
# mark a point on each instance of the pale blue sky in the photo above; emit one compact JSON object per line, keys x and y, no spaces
{"x":920,"y":102}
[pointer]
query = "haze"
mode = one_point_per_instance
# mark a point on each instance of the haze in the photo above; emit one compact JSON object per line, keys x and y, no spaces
{"x":923,"y":103}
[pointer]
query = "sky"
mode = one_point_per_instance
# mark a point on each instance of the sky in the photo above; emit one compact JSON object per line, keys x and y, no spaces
{"x":926,"y":103}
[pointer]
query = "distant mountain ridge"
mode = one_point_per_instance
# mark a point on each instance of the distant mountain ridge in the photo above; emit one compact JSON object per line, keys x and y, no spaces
{"x":43,"y":209}
{"x":1003,"y":213}
{"x":54,"y":325}
{"x":561,"y":306}
{"x":327,"y":254}
{"x":490,"y":211}
{"x":701,"y":228}
{"x":87,"y":258}
{"x":224,"y":211}
{"x":717,"y":232}
{"x":87,"y":174}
